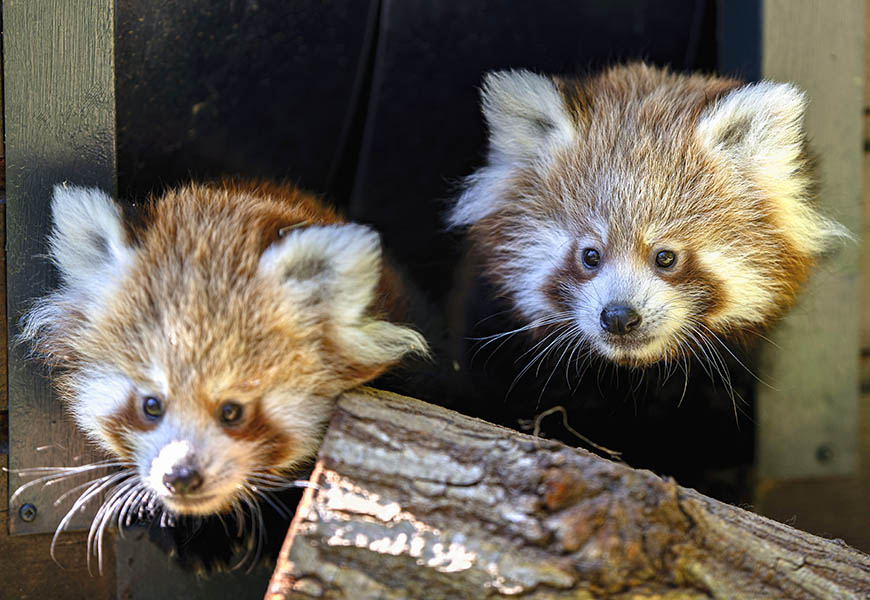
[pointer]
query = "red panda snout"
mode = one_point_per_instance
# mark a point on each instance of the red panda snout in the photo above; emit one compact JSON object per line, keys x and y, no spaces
{"x":625,"y":310}
{"x":619,"y":319}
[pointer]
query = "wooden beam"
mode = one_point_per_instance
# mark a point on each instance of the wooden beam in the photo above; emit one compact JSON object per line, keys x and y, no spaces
{"x":411,"y":500}
{"x":807,"y":415}
{"x":60,"y":126}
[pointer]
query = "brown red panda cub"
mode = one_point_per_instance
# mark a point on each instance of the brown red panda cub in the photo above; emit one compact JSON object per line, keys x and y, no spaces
{"x":204,"y":348}
{"x":644,"y":214}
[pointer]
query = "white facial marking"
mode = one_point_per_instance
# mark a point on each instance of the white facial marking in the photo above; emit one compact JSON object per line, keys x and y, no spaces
{"x":173,"y":454}
{"x":98,"y":394}
{"x":544,"y":253}
{"x":662,"y":310}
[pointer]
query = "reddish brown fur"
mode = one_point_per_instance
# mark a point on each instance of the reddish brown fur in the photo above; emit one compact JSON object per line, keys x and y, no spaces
{"x":640,"y":120}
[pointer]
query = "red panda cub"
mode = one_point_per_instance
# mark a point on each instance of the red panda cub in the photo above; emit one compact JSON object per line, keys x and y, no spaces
{"x":643,"y":214}
{"x":204,"y":348}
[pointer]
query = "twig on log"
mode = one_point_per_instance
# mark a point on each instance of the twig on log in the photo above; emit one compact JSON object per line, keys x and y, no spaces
{"x":415,"y":501}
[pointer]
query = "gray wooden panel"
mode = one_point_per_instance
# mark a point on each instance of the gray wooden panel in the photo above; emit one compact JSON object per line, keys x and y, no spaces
{"x":60,"y":126}
{"x":807,"y":420}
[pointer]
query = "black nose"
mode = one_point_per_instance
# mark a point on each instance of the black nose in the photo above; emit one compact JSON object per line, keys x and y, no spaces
{"x":182,"y":480}
{"x":619,"y":319}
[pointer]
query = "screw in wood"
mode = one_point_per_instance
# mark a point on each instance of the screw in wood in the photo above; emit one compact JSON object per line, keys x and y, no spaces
{"x":824,"y":454}
{"x":27,"y":512}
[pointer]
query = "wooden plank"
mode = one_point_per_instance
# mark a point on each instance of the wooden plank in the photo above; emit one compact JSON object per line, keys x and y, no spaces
{"x":807,"y":416}
{"x":836,"y":506}
{"x":28,"y":571}
{"x":60,"y":126}
{"x":4,"y":395}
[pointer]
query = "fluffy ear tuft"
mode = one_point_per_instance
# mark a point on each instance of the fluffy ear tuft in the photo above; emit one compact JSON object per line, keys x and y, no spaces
{"x":758,"y":128}
{"x":333,"y":271}
{"x":336,"y":267}
{"x":527,"y":120}
{"x":88,"y":243}
{"x":525,"y":113}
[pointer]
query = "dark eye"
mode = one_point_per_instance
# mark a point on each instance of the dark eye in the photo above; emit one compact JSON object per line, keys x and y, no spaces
{"x":591,"y":257}
{"x":665,"y":259}
{"x":152,"y":407}
{"x":231,"y":413}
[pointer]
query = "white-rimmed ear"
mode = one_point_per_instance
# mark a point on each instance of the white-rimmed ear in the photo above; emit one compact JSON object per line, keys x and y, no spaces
{"x":527,"y":121}
{"x":333,"y":271}
{"x":88,"y":242}
{"x":525,"y":113}
{"x":758,"y":128}
{"x":336,"y":267}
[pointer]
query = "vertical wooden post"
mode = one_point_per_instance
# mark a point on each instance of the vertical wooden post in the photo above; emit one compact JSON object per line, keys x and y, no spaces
{"x":807,"y":418}
{"x":60,"y":126}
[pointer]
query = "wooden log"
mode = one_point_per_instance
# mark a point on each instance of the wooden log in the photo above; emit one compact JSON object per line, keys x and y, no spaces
{"x":411,"y":500}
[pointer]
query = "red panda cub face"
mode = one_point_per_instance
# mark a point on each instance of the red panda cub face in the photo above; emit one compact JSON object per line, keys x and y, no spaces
{"x":644,"y":213}
{"x":206,"y":349}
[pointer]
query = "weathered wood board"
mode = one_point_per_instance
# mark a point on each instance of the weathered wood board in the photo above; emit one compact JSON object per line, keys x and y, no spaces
{"x":60,"y":126}
{"x":808,"y":409}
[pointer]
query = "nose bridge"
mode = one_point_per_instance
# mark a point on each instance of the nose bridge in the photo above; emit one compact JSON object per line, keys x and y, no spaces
{"x":624,"y":280}
{"x":183,"y":440}
{"x":178,"y":452}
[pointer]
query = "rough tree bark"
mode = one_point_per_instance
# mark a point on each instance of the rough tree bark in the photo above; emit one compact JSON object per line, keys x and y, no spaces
{"x":414,"y":501}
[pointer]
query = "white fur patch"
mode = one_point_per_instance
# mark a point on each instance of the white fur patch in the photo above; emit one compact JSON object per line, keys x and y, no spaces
{"x":184,"y":439}
{"x":526,"y":115}
{"x":758,"y":129}
{"x":300,"y":415}
{"x":98,"y":394}
{"x":663,"y":311}
{"x":482,"y":196}
{"x":334,"y":266}
{"x":750,"y":291}
{"x":544,"y":251}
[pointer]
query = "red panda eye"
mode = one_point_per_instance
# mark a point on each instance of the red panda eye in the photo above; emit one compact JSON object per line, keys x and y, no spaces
{"x":665,"y":259}
{"x":591,"y":257}
{"x":231,"y":413}
{"x":152,"y":407}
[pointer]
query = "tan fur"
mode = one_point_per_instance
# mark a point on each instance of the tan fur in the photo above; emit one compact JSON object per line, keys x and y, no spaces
{"x":703,"y":166}
{"x":246,"y":292}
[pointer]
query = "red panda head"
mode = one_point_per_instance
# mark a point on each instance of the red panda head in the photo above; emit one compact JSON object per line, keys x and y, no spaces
{"x":206,"y":349}
{"x":644,"y":212}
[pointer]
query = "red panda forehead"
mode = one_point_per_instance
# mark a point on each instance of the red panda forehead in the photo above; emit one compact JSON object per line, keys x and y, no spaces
{"x":635,"y":96}
{"x":232,"y":222}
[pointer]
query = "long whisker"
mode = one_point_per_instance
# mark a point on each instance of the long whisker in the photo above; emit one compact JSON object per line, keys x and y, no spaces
{"x":95,"y":488}
{"x":56,"y":474}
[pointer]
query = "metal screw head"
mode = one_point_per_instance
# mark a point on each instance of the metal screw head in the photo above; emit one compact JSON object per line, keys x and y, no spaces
{"x":824,"y":454}
{"x":27,"y":512}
